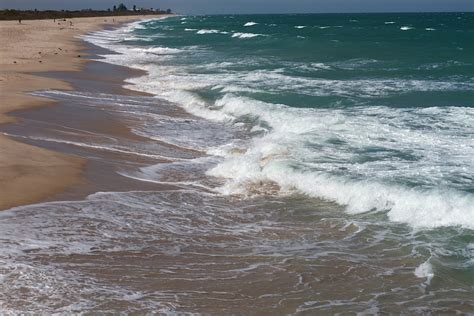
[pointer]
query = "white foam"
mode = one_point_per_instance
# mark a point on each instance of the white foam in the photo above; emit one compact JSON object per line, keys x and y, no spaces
{"x":300,"y":27}
{"x":430,"y":29}
{"x":138,"y":38}
{"x":246,"y":35}
{"x":139,"y":26}
{"x":121,"y":150}
{"x":206,"y":31}
{"x":274,"y":157}
{"x":156,"y":50}
{"x":284,"y":153}
{"x":320,"y":66}
{"x":250,"y":24}
{"x":425,"y":270}
{"x":406,"y":28}
{"x":389,"y":22}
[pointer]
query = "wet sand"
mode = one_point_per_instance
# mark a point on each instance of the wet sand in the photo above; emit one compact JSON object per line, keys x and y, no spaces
{"x":99,"y":168}
{"x":29,"y":173}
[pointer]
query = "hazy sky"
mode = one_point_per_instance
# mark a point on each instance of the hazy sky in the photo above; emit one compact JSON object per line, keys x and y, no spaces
{"x":253,"y":6}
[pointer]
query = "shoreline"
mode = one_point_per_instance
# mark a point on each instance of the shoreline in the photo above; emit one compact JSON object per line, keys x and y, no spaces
{"x":29,"y":173}
{"x":266,"y":200}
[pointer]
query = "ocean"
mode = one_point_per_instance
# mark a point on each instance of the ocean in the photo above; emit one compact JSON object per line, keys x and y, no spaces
{"x":319,"y":163}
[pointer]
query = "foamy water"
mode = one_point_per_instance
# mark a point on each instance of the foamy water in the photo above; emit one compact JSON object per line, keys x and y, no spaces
{"x":413,"y":162}
{"x":281,"y":174}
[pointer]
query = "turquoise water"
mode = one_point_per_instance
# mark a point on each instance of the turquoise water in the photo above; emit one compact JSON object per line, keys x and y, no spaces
{"x":329,"y":61}
{"x":372,"y":111}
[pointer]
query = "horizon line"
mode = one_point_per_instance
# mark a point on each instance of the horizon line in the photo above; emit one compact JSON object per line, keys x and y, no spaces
{"x":261,"y":13}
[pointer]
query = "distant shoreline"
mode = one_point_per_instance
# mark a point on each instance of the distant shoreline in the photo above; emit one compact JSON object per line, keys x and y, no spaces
{"x":8,"y":15}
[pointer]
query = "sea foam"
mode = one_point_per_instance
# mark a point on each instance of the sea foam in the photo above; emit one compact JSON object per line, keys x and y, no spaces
{"x":425,"y":270}
{"x":246,"y":35}
{"x":250,"y":24}
{"x":312,"y":150}
{"x":205,"y":31}
{"x":280,"y":157}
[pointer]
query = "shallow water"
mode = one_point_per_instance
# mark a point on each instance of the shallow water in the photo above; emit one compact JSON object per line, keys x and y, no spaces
{"x":317,"y":186}
{"x":197,"y":252}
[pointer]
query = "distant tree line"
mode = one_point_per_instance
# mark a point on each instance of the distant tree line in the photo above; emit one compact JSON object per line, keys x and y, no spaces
{"x":120,"y":9}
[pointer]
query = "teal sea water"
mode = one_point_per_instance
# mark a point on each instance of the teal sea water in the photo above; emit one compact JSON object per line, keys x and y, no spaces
{"x":323,"y":164}
{"x":371,"y":111}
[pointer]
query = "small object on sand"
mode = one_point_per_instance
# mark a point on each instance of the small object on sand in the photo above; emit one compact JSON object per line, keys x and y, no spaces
{"x":60,"y":48}
{"x":78,"y":55}
{"x":55,"y":53}
{"x":14,"y":61}
{"x":19,"y":21}
{"x":39,"y":53}
{"x":40,"y":61}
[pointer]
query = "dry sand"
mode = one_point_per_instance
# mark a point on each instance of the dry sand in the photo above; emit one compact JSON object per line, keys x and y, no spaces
{"x":29,"y":173}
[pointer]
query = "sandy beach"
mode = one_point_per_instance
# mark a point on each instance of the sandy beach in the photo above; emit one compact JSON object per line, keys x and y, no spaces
{"x":29,"y":173}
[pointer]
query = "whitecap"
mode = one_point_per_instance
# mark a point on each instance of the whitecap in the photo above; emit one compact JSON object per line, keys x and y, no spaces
{"x":140,"y":27}
{"x":206,"y":31}
{"x":246,"y":35}
{"x":282,"y":153}
{"x":406,"y":28}
{"x":322,"y":66}
{"x":157,"y":50}
{"x":250,"y":24}
{"x":274,"y":156}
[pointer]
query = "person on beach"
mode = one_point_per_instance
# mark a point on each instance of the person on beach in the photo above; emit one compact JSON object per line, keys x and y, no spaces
{"x":19,"y":21}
